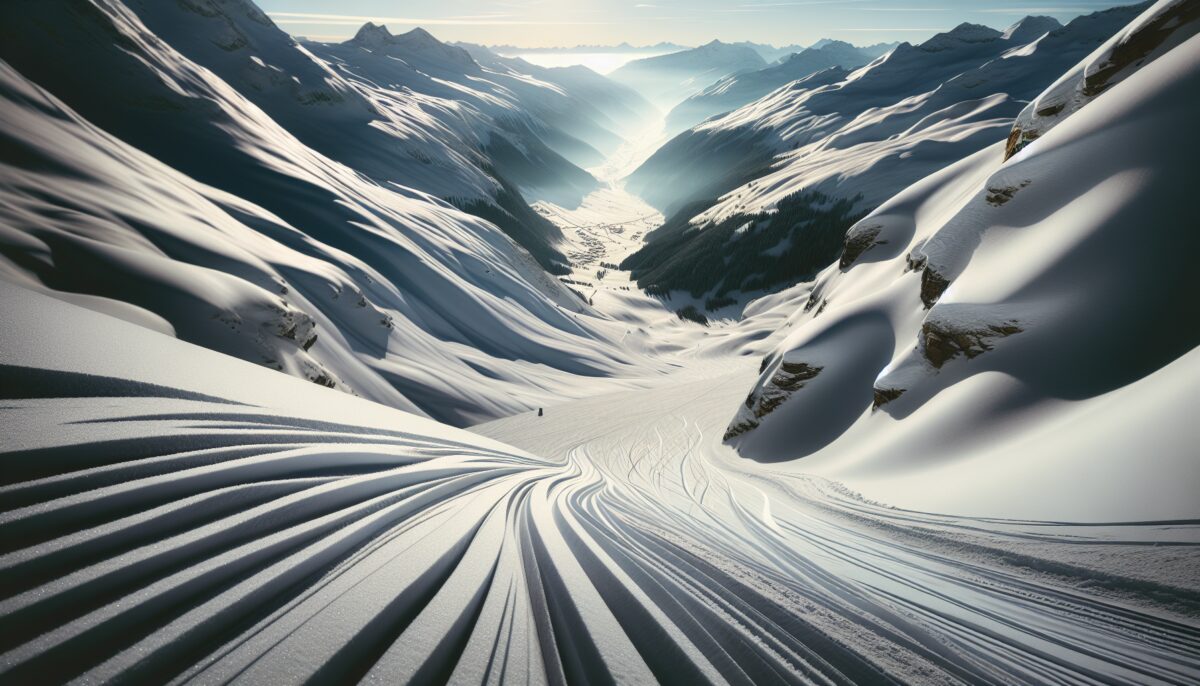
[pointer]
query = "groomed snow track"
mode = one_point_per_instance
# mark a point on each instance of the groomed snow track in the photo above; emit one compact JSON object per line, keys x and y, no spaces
{"x":171,"y":514}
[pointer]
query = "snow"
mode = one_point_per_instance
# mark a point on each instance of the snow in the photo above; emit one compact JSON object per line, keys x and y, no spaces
{"x":276,"y":531}
{"x":870,"y":133}
{"x":668,"y":79}
{"x":967,"y":456}
{"x":414,"y":304}
{"x":1066,"y":393}
{"x":739,"y":89}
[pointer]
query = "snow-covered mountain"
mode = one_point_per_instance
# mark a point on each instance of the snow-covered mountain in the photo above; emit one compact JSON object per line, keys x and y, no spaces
{"x":838,"y":138}
{"x":624,"y":47}
{"x":228,"y":231}
{"x":1012,"y":316}
{"x":536,"y":105}
{"x":964,"y":453}
{"x":433,"y":145}
{"x":667,"y":79}
{"x":737,"y":90}
{"x":587,"y":98}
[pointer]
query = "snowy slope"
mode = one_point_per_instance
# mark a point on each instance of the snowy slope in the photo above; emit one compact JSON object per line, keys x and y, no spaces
{"x":544,"y":117}
{"x":172,"y":515}
{"x":296,"y":263}
{"x":859,"y":137}
{"x":590,"y":96}
{"x":161,"y":500}
{"x":734,"y":91}
{"x":1013,"y":329}
{"x":668,"y":79}
{"x":430,"y":145}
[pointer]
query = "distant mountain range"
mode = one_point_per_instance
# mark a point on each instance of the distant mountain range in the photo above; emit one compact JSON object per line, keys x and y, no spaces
{"x":667,"y":79}
{"x":621,"y":48}
{"x":304,"y":207}
{"x":840,"y":140}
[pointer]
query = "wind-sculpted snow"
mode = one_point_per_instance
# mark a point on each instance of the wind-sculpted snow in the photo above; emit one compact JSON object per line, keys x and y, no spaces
{"x":385,"y":293}
{"x":170,"y":514}
{"x":1153,"y":34}
{"x":1031,"y":304}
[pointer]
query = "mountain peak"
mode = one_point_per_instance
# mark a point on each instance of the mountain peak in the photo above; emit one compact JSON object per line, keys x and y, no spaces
{"x":963,"y":33}
{"x":419,"y":34}
{"x":834,"y":45}
{"x":973,"y":32}
{"x":372,"y":34}
{"x":1031,"y":28}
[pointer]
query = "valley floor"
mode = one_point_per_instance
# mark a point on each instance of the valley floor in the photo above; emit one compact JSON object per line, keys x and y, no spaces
{"x":836,"y":587}
{"x":736,"y":563}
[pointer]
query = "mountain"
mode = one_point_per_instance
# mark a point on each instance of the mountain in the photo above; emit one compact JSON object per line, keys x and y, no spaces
{"x":527,"y":141}
{"x":737,"y":90}
{"x":591,"y":49}
{"x":668,"y":79}
{"x":951,"y":344}
{"x":965,"y":453}
{"x":616,"y":108}
{"x":435,"y":145}
{"x":208,"y":220}
{"x":839,"y":149}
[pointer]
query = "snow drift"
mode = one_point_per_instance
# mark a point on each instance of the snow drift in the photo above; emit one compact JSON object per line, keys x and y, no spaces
{"x":1007,"y":318}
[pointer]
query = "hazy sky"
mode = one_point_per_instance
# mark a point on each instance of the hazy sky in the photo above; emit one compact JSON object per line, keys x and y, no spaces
{"x":541,"y":23}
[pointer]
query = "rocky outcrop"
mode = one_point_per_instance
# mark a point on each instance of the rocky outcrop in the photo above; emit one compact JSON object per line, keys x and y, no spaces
{"x":859,"y":240}
{"x":999,"y":195}
{"x":787,"y":379}
{"x":942,"y":341}
{"x":1166,"y":25}
{"x":933,"y":285}
{"x":883,"y":396}
{"x":297,"y":326}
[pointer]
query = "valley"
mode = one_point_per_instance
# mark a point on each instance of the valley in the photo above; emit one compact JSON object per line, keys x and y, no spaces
{"x":402,"y":360}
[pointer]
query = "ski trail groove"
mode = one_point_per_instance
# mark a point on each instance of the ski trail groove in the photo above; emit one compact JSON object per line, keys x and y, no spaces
{"x":627,"y":545}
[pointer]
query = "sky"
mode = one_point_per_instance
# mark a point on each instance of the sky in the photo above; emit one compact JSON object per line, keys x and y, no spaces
{"x":554,"y":23}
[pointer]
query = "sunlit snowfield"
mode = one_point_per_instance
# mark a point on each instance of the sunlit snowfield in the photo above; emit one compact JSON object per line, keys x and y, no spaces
{"x":172,"y":514}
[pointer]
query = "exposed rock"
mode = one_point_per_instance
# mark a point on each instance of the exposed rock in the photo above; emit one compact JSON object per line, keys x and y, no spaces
{"x":858,"y":241}
{"x":1017,"y":140}
{"x":1139,"y":45}
{"x":915,"y":261}
{"x":998,"y":196}
{"x":933,"y":285}
{"x":883,"y":396}
{"x":813,"y":299}
{"x":942,"y":343}
{"x":789,"y":378}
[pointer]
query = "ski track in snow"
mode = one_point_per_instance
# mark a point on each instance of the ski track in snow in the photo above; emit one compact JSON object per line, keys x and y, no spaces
{"x":156,"y":532}
{"x":172,"y":515}
{"x":809,"y":579}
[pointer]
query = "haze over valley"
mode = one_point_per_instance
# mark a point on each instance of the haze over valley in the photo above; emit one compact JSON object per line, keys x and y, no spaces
{"x":341,"y":346}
